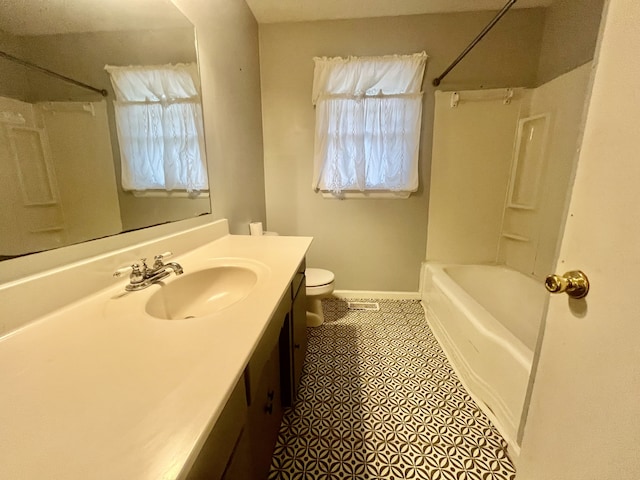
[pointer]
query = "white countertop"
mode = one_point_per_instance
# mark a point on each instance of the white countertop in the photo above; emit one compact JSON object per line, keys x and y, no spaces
{"x":99,"y":389}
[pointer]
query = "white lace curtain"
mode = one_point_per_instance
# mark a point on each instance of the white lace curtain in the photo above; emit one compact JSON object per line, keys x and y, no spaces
{"x":368,"y":116}
{"x":159,"y":122}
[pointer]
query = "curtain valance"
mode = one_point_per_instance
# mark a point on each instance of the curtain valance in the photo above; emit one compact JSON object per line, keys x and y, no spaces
{"x":368,"y":76}
{"x":155,"y":83}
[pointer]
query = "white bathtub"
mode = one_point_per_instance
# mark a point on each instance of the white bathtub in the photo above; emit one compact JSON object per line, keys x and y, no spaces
{"x":487,"y":319}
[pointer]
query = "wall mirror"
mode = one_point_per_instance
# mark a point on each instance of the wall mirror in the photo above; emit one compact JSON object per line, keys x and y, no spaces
{"x":60,"y":154}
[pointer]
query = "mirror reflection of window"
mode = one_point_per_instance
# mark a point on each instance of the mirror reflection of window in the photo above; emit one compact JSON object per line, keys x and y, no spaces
{"x":159,"y":123}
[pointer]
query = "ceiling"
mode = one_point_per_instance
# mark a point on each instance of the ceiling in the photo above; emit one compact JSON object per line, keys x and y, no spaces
{"x":273,"y":11}
{"x":44,"y":17}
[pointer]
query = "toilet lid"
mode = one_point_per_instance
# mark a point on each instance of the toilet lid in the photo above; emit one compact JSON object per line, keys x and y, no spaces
{"x":317,"y":277}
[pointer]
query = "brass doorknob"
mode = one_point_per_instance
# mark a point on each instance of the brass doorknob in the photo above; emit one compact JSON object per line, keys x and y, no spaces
{"x":574,"y":283}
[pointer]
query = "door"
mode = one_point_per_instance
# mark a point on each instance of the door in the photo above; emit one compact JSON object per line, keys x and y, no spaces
{"x":584,"y":417}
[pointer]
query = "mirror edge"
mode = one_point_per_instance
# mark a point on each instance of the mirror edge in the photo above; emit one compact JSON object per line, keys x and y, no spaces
{"x":19,"y":268}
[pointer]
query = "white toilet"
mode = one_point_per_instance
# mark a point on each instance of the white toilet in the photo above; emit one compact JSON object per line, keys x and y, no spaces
{"x":319,"y":286}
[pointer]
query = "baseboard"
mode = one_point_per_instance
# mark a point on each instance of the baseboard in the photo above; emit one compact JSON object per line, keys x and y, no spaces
{"x":370,"y":294}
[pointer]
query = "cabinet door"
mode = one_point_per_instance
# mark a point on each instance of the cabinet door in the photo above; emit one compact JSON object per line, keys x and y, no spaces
{"x":265,"y":415}
{"x":217,"y":451}
{"x":239,"y":467}
{"x":286,"y":362}
{"x":299,"y":334}
{"x":270,"y":338}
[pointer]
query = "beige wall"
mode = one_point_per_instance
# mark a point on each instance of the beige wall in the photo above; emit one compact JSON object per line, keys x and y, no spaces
{"x":372,"y":244}
{"x":569,"y":39}
{"x":13,"y":77}
{"x":227,"y":35}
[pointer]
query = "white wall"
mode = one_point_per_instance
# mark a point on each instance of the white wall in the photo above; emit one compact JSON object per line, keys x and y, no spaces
{"x":82,"y":157}
{"x":472,"y":149}
{"x":35,"y":224}
{"x":564,"y":99}
{"x":567,"y":43}
{"x":471,"y":170}
{"x":86,"y":205}
{"x":371,"y":244}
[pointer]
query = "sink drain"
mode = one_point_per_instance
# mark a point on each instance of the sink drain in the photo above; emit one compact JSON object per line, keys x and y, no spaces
{"x":189,"y":316}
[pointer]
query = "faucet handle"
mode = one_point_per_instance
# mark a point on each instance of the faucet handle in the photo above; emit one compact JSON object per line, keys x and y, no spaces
{"x":158,"y":259}
{"x":122,"y":270}
{"x":135,"y":274}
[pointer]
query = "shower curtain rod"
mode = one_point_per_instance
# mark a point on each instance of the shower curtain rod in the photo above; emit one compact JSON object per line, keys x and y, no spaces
{"x":505,"y":9}
{"x":24,"y":63}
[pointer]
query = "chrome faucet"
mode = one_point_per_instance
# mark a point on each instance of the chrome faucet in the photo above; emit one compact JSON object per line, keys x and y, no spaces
{"x":143,"y":276}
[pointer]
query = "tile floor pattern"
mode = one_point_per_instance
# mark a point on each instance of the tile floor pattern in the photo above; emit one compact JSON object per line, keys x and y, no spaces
{"x":379,"y":400}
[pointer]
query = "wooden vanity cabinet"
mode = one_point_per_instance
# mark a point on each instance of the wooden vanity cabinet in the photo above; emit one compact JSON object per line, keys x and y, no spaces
{"x":294,"y":340}
{"x":298,"y":333}
{"x":241,"y":444}
{"x":239,"y":466}
{"x":265,"y":415}
{"x":264,"y":394}
{"x":220,"y":451}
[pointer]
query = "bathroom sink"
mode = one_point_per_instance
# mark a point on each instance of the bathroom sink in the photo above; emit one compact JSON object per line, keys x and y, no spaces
{"x":202,"y":292}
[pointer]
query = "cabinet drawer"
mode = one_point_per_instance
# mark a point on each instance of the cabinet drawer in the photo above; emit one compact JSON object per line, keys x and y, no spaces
{"x":297,"y":279}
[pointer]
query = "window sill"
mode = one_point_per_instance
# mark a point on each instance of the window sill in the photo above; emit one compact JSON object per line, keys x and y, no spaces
{"x":168,"y":194}
{"x":373,"y":194}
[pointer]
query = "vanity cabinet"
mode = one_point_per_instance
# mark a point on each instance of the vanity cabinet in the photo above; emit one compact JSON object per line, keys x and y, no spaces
{"x":241,"y":445}
{"x":264,"y":393}
{"x":298,"y":330}
{"x":265,"y":415}
{"x":294,"y":340}
{"x":220,"y":452}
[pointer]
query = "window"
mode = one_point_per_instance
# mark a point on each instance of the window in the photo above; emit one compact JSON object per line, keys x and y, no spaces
{"x":159,"y":122}
{"x":368,"y":116}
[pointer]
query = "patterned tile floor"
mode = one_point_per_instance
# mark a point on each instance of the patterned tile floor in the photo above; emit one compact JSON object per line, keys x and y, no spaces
{"x":379,"y":400}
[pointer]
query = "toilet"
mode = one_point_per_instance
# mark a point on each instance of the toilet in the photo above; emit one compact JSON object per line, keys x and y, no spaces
{"x":319,"y":286}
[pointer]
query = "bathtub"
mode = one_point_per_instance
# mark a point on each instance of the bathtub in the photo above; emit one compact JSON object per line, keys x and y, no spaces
{"x":487,"y":319}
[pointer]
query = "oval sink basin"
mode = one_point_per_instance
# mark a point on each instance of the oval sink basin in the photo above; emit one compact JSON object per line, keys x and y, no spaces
{"x":201,"y":293}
